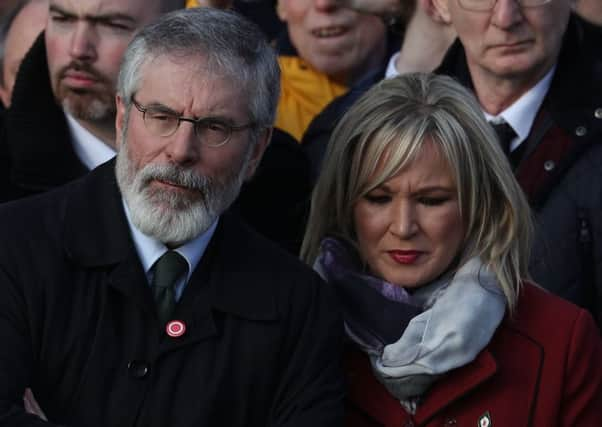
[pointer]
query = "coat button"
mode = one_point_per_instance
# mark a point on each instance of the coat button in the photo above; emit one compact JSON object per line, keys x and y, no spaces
{"x":138,"y":369}
{"x":549,"y":165}
{"x":409,"y":423}
{"x":598,"y":113}
{"x":581,"y":131}
{"x":451,"y":422}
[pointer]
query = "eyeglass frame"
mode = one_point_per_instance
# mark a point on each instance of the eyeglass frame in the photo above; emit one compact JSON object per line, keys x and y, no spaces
{"x":195,"y":121}
{"x":493,"y":3}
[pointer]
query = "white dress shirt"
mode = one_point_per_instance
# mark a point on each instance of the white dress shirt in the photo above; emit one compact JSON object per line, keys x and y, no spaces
{"x":391,"y":68}
{"x":521,"y":114}
{"x":89,"y":149}
{"x":150,"y":250}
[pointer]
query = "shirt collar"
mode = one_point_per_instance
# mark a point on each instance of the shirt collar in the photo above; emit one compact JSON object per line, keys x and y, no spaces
{"x":89,"y":149}
{"x":150,"y":249}
{"x":521,"y":114}
{"x":391,"y":68}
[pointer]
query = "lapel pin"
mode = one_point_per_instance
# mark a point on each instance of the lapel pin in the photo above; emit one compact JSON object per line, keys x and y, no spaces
{"x":485,"y":420}
{"x":175,"y":328}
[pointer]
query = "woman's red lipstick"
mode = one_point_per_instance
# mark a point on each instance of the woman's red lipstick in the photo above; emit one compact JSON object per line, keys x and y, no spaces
{"x":404,"y":257}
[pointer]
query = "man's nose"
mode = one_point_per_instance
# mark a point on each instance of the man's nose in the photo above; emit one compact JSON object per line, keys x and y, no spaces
{"x":183,"y":146}
{"x":326,"y":5}
{"x":506,"y":13}
{"x":84,"y":40}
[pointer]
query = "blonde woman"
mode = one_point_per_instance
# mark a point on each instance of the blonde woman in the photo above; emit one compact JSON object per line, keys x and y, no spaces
{"x":421,"y":228}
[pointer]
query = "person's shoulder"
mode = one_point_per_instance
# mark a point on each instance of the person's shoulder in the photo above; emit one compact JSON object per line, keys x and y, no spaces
{"x":257,"y":252}
{"x":28,"y":209}
{"x":546,"y":318}
{"x":32,"y":227}
{"x":251,"y":260}
{"x":44,"y":210}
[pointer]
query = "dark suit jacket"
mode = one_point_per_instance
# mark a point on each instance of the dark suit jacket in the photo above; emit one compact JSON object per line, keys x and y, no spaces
{"x":78,"y":324}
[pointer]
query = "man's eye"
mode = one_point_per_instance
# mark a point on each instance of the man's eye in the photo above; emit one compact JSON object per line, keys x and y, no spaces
{"x":160,"y":117}
{"x":215,"y":127}
{"x":61,"y":18}
{"x":117,"y":26}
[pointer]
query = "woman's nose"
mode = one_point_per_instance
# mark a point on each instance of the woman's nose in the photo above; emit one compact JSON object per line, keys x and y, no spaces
{"x":403,"y":220}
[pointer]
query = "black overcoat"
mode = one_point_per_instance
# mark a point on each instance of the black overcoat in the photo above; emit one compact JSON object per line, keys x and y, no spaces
{"x":78,"y":324}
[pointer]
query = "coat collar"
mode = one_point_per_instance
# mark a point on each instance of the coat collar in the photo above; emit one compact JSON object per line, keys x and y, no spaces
{"x":456,"y":384}
{"x":38,"y":139}
{"x":373,"y":399}
{"x":96,"y":231}
{"x":509,"y":349}
{"x":231,"y":276}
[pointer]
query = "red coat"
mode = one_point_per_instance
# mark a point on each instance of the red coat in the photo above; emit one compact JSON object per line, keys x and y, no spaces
{"x":542,"y":369}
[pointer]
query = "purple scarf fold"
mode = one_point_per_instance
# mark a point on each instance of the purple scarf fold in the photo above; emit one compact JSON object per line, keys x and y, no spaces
{"x":376,"y":312}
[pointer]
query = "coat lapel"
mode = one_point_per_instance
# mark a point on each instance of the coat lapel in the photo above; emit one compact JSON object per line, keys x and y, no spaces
{"x":508,"y":370}
{"x":194,"y":309}
{"x":97,"y":236}
{"x":226,"y":281}
{"x":505,"y":381}
{"x":457,"y":384}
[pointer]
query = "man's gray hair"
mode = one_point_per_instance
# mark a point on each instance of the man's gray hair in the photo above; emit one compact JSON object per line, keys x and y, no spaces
{"x":225,"y":43}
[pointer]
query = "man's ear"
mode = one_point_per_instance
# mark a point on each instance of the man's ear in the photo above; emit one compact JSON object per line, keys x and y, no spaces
{"x":119,"y":119}
{"x":281,"y":10}
{"x":263,"y":140}
{"x":439,"y":11}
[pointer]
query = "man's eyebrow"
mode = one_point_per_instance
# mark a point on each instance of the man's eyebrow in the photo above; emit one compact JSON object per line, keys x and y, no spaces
{"x":57,"y":9}
{"x":157,"y":106}
{"x":104,"y":17}
{"x":111,"y":17}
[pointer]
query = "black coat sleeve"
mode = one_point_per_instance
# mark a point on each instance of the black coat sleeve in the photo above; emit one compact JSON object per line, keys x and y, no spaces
{"x":311,"y":391}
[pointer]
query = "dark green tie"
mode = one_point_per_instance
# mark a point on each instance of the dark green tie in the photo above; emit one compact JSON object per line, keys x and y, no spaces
{"x":167,"y":270}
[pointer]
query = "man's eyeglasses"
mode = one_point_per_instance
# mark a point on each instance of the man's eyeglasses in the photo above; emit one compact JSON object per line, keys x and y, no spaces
{"x":487,"y":5}
{"x":210,"y":131}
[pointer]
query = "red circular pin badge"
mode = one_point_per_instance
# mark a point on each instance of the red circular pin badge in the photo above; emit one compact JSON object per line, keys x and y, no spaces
{"x":175,"y":328}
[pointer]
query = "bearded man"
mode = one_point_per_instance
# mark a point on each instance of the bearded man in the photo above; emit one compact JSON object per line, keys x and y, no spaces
{"x":132,"y":297}
{"x":62,"y":116}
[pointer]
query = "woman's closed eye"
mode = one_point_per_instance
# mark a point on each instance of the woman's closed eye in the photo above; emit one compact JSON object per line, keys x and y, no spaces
{"x":433,"y":200}
{"x":377,"y":198}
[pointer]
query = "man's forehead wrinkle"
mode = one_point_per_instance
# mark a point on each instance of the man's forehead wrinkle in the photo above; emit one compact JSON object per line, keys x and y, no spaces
{"x":203,"y":100}
{"x":100,"y":10}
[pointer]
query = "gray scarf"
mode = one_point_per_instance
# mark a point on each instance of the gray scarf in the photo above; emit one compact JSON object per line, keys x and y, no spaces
{"x":461,"y":313}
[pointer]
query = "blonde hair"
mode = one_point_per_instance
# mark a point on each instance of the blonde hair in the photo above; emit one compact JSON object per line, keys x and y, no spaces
{"x":395,"y":119}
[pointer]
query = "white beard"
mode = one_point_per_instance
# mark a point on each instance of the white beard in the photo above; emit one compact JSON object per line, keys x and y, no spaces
{"x":171,"y":216}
